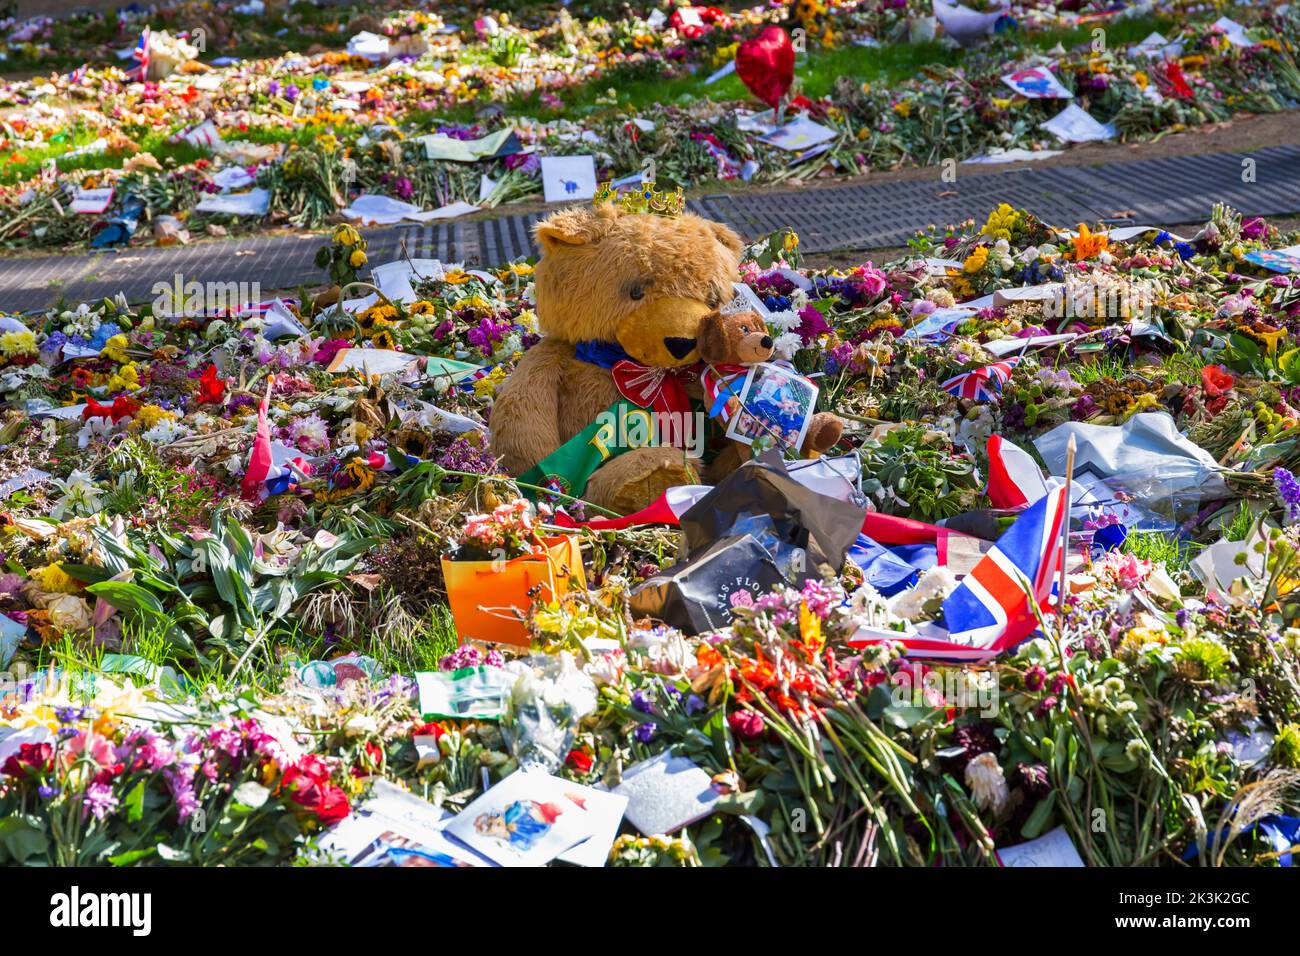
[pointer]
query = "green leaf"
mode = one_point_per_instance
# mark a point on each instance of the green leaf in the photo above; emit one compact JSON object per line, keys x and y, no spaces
{"x":126,"y":596}
{"x":1037,"y":821}
{"x":134,"y":803}
{"x":132,"y":856}
{"x":21,"y":838}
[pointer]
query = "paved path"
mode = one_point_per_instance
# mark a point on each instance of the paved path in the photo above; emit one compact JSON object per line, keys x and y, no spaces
{"x":1163,"y":191}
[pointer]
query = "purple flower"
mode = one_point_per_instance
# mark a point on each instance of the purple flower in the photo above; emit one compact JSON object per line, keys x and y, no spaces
{"x":464,"y":455}
{"x":1254,"y":228}
{"x":812,"y":324}
{"x":467,"y":655}
{"x":486,"y":334}
{"x":694,"y":705}
{"x":1288,"y":489}
{"x":100,"y":800}
{"x":644,"y":733}
{"x":641,"y":701}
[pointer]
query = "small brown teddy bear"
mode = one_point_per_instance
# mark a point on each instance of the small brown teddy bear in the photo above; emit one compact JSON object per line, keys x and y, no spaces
{"x":727,"y":343}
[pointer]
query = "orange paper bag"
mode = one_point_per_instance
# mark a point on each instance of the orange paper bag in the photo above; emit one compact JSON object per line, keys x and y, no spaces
{"x":489,"y":598}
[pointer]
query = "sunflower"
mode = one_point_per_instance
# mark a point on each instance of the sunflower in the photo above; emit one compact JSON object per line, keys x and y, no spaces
{"x":414,"y":443}
{"x":383,"y":339}
{"x":353,"y":478}
{"x":422,"y":307}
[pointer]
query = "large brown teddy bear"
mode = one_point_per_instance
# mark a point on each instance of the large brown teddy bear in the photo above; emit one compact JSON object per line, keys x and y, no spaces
{"x":611,"y":283}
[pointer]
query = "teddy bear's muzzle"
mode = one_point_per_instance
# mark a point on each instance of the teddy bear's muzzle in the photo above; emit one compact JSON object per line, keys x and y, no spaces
{"x":663,"y":332}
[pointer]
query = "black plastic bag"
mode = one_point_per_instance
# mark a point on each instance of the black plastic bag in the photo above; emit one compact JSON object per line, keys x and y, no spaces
{"x":807,"y":533}
{"x":694,"y":595}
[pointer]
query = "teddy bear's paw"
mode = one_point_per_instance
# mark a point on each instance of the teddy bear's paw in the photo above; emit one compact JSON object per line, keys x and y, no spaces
{"x":824,"y":431}
{"x":634,"y":480}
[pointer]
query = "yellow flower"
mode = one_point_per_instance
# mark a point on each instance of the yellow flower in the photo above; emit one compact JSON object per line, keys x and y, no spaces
{"x":115,"y":348}
{"x":346,"y":235}
{"x":18,"y":343}
{"x":420,"y":308}
{"x":486,"y":386}
{"x":791,"y":241}
{"x":976,"y":260}
{"x":455,"y":277}
{"x":1000,"y":103}
{"x":1141,"y":79}
{"x":903,"y":108}
{"x":357,"y":259}
{"x":383,"y":339}
{"x":54,"y":579}
{"x":125,"y":379}
{"x":149,"y":416}
{"x":1001,"y":222}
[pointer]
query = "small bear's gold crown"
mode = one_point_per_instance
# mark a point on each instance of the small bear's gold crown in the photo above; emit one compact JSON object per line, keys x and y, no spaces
{"x":645,"y":198}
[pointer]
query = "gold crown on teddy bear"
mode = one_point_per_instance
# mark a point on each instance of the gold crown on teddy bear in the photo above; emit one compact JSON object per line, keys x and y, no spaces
{"x":643,"y":199}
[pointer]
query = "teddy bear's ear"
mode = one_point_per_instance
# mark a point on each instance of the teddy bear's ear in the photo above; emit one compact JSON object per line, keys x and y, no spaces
{"x":572,"y":227}
{"x":727,"y":236}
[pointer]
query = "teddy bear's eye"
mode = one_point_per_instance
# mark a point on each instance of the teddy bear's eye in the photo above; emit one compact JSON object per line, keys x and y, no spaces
{"x":637,"y":291}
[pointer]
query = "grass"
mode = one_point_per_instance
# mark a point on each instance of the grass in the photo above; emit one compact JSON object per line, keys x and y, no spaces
{"x":644,"y":87}
{"x":422,"y":649}
{"x":638,"y":87}
{"x":1159,"y":548}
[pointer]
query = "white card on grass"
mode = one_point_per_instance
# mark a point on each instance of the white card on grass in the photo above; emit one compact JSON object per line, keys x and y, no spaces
{"x":568,"y":178}
{"x":1076,"y":125}
{"x":92,"y":201}
{"x":798,"y":135}
{"x":1052,"y":849}
{"x":1037,"y":82}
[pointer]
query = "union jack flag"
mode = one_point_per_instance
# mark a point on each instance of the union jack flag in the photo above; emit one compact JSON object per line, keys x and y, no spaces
{"x":990,"y":609}
{"x":141,"y":56}
{"x":981,"y":384}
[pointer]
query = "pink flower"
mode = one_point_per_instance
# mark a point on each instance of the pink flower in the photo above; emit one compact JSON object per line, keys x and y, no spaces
{"x":1128,"y":570}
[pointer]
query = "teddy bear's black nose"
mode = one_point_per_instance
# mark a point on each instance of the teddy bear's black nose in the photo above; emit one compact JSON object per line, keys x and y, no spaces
{"x":767,"y":341}
{"x":678,"y":347}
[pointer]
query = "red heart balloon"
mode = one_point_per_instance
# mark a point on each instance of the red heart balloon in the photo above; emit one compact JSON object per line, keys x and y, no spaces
{"x":765,"y":65}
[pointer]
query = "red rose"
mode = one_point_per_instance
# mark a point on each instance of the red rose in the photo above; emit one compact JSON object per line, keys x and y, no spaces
{"x":580,"y":760}
{"x":37,"y":757}
{"x":428,"y":730}
{"x":1216,"y":380}
{"x":326,"y":802}
{"x":747,"y":724}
